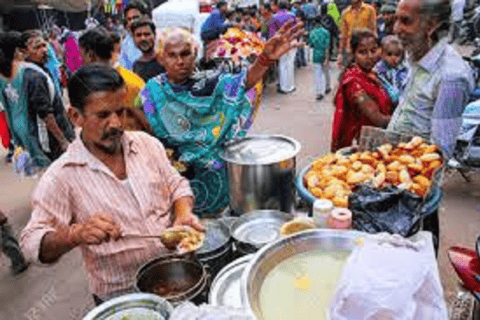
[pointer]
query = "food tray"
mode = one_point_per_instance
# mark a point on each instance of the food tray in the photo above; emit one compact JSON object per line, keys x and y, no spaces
{"x":370,"y":139}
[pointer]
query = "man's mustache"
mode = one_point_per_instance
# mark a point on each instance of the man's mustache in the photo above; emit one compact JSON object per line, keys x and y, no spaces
{"x":114,"y":133}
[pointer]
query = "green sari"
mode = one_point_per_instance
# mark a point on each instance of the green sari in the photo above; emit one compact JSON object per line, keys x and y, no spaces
{"x":22,"y":129}
{"x":197,"y":118}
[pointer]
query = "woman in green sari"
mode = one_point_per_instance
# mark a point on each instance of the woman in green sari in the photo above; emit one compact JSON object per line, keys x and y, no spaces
{"x":195,"y":114}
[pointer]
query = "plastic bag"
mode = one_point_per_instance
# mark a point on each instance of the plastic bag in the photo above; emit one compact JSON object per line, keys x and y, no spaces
{"x":188,"y":311}
{"x":23,"y":163}
{"x":389,"y":210}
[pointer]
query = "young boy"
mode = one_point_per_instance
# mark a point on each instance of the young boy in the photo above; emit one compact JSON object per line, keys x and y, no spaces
{"x":392,"y":69}
{"x":319,"y":40}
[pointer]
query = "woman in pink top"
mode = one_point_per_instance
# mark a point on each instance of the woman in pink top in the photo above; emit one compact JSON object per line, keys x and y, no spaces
{"x":73,"y":58}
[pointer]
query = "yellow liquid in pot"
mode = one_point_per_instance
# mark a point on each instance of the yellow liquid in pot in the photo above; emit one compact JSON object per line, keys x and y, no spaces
{"x":301,"y":287}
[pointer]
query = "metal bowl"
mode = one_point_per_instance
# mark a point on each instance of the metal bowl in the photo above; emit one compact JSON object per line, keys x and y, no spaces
{"x":267,"y":258}
{"x":140,"y":305}
{"x":255,"y":229}
{"x":186,"y":277}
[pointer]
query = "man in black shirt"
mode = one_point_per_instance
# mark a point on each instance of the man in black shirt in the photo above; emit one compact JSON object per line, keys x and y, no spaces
{"x":45,"y":106}
{"x":147,"y":66}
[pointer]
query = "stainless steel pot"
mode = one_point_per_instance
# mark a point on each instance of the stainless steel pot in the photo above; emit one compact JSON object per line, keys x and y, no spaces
{"x":261,"y":171}
{"x":270,"y":256}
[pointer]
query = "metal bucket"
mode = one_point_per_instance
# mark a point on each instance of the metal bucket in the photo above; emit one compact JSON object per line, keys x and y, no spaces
{"x":261,"y":172}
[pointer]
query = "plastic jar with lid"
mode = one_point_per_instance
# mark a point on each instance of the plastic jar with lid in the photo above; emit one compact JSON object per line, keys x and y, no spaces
{"x":321,"y":212}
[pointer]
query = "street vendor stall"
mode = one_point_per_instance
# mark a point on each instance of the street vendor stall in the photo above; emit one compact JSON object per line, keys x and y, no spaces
{"x":314,"y":274}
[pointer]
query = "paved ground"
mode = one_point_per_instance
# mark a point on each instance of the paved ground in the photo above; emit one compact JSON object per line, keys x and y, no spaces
{"x":61,"y":292}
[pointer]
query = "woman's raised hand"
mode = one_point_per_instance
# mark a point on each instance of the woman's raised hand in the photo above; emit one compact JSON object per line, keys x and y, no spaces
{"x":284,"y":40}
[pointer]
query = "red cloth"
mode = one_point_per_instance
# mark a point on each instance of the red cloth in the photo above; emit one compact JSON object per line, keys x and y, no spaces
{"x":348,"y":119}
{"x":4,"y":133}
{"x":206,"y":9}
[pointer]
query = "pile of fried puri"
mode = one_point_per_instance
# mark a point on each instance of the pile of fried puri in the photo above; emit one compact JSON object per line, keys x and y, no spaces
{"x":409,"y":166}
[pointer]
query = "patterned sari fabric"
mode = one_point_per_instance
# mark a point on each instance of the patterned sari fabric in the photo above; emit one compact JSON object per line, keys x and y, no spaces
{"x":196,"y":119}
{"x":348,"y":119}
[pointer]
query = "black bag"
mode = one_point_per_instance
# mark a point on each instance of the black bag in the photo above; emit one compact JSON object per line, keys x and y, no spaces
{"x":389,"y":210}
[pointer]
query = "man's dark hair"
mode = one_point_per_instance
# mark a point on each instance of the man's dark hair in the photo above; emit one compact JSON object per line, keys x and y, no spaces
{"x":89,"y":79}
{"x":116,"y":37}
{"x":283,"y":5}
{"x":9,"y":42}
{"x":143,"y":22}
{"x":97,"y":41}
{"x":27,"y":35}
{"x":221,"y":4}
{"x":140,"y":6}
{"x":267,"y":6}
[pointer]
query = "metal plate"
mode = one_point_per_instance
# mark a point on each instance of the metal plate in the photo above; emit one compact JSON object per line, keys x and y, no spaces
{"x":141,"y":306}
{"x":217,"y":235}
{"x":226,"y":288}
{"x":259,"y":227}
{"x":261,"y":149}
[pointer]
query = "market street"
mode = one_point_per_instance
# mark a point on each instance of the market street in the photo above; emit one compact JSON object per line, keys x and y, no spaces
{"x":61,"y":291}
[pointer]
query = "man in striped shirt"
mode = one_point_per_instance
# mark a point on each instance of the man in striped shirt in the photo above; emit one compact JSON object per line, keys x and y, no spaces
{"x":109,"y":183}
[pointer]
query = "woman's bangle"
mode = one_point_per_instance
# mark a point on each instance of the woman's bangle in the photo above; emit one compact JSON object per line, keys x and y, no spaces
{"x":264,"y":60}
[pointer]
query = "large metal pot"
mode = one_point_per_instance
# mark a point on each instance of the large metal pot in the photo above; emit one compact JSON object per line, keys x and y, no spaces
{"x":261,"y":171}
{"x":181,"y":278}
{"x":270,"y":256}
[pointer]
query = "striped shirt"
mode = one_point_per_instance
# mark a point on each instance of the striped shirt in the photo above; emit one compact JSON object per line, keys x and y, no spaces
{"x":78,"y":185}
{"x":435,"y":97}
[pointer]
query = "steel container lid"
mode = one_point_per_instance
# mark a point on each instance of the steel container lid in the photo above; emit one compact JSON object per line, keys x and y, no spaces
{"x":259,"y":227}
{"x":226,"y":288}
{"x":135,"y":306}
{"x":260,"y":150}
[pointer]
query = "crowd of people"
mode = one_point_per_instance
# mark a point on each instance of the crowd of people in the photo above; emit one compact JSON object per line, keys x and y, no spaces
{"x":126,"y":128}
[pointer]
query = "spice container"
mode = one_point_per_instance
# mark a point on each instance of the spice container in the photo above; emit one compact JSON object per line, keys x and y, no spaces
{"x":321,"y":212}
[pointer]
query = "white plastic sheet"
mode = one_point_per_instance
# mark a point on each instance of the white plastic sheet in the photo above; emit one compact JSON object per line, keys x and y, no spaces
{"x":390,"y":278}
{"x":188,"y":311}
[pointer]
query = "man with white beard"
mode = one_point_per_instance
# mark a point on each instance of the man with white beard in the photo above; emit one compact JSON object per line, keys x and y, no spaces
{"x":438,"y":90}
